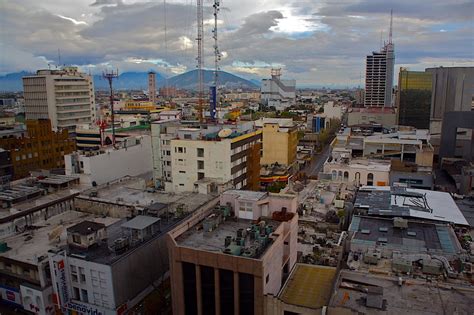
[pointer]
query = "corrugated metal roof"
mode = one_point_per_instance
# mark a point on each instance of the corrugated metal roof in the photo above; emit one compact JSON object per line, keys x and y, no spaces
{"x":309,"y":286}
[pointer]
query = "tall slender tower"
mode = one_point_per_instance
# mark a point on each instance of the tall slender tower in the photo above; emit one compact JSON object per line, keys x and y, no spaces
{"x":152,"y":87}
{"x":110,"y":76}
{"x":379,"y":74}
{"x":200,"y":60}
{"x":214,"y":90}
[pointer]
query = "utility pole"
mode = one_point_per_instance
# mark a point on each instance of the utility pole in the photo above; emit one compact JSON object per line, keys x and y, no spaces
{"x":200,"y":62}
{"x":110,"y":76}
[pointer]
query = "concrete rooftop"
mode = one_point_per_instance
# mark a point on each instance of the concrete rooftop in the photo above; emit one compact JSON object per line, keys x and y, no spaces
{"x":214,"y":241}
{"x":32,"y":246}
{"x":131,"y":191}
{"x":412,"y":297}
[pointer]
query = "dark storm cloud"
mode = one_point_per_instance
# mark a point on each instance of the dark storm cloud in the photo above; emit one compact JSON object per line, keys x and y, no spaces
{"x":253,"y":35}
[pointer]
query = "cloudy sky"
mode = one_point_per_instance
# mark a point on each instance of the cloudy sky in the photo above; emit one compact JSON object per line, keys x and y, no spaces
{"x":315,"y":42}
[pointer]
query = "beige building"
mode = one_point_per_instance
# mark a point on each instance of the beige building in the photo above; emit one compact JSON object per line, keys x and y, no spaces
{"x":65,"y":96}
{"x":222,"y":263}
{"x":386,"y":116}
{"x":360,"y":172}
{"x":279,"y":141}
{"x":215,"y":162}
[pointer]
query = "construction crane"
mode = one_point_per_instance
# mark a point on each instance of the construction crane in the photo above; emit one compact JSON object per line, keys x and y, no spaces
{"x":200,"y":61}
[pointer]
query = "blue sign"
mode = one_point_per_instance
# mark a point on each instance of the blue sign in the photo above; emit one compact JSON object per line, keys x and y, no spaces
{"x":213,"y":101}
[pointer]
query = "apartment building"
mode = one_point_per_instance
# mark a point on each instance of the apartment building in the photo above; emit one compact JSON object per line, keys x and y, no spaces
{"x":379,"y":77}
{"x":279,"y":141}
{"x":64,"y":96}
{"x":218,"y":161}
{"x":25,"y":274}
{"x":205,"y":158}
{"x":108,"y":269}
{"x":223,"y":262}
{"x":41,"y":149}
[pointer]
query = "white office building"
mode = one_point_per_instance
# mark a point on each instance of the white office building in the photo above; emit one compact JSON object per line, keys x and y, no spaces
{"x":64,"y":96}
{"x":277,"y":92}
{"x":131,"y":157}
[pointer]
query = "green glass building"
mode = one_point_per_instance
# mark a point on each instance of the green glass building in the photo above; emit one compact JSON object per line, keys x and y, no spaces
{"x":414,"y":98}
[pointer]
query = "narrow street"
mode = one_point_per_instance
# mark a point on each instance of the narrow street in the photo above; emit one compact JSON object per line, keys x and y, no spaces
{"x":317,"y":162}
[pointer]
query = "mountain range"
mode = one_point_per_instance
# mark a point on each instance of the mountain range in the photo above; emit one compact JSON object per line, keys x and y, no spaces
{"x":12,"y":82}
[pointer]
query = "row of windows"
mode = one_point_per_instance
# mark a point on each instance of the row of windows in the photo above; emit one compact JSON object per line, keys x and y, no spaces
{"x":73,"y":100}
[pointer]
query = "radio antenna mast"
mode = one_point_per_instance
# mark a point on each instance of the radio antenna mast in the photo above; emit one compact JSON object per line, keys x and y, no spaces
{"x":217,"y":57}
{"x":110,"y":76}
{"x":200,"y":62}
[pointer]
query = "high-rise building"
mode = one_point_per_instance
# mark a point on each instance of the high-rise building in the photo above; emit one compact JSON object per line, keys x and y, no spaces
{"x":65,"y":96}
{"x":414,"y":98}
{"x":379,"y":75}
{"x":453,"y":89}
{"x":152,"y":87}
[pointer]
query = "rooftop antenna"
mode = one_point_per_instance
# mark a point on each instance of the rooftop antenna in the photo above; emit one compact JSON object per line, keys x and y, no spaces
{"x":391,"y":25}
{"x":166,"y":47}
{"x":381,"y":36}
{"x":59,"y":58}
{"x":200,"y":62}
{"x":110,"y":76}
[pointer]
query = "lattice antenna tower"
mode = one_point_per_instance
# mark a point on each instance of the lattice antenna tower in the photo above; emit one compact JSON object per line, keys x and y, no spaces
{"x":200,"y":61}
{"x":110,"y":75}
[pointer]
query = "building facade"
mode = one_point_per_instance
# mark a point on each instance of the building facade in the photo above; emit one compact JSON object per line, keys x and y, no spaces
{"x":225,"y":268}
{"x":359,"y":172}
{"x":152,"y":87}
{"x":362,"y":116}
{"x":131,"y":157}
{"x":213,"y":162}
{"x":379,"y":77}
{"x":452,"y":91}
{"x":107,"y":270}
{"x":279,"y":143}
{"x":278,"y":93}
{"x":65,"y":96}
{"x":41,"y":149}
{"x":414,"y":98}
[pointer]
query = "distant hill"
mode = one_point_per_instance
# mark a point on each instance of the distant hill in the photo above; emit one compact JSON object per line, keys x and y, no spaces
{"x":256,"y":82}
{"x":188,"y":80}
{"x":12,"y":82}
{"x":127,"y":81}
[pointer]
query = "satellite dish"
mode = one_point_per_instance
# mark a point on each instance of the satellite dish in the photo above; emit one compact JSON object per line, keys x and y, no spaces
{"x":224,"y":133}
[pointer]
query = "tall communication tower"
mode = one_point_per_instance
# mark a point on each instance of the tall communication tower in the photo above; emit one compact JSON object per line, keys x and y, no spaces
{"x":214,"y":97}
{"x":200,"y":61}
{"x":110,"y":76}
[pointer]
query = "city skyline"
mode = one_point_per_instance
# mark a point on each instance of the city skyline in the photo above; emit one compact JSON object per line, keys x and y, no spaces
{"x":314,"y":43}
